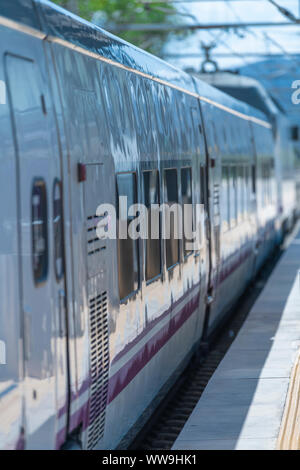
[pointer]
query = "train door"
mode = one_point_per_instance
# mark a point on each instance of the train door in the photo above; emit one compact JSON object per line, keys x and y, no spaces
{"x":213,"y":213}
{"x":40,"y":249}
{"x":213,"y":197}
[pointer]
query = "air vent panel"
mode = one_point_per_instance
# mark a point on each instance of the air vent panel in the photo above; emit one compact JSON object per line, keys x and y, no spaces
{"x":99,"y":357}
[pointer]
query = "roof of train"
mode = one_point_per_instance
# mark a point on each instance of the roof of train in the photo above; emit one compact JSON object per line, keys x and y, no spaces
{"x":243,"y":88}
{"x":79,"y":34}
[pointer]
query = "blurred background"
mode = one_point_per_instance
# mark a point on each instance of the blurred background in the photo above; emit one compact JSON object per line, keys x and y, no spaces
{"x":252,"y":38}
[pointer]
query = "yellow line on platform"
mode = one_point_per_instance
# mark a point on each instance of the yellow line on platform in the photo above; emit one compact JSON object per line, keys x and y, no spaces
{"x":289,"y":435}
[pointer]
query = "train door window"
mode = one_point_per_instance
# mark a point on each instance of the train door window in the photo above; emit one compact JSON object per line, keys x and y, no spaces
{"x":295,"y":133}
{"x":203,"y":190}
{"x":151,"y":201}
{"x":187,"y":208}
{"x":58,"y":230}
{"x":225,"y":197}
{"x":253,"y":178}
{"x":224,"y":136}
{"x":265,"y":179}
{"x":266,"y":183}
{"x":233,"y":195}
{"x":271,"y":181}
{"x":241,"y":183}
{"x":128,"y":251}
{"x":171,"y":220}
{"x":261,"y":182}
{"x":39,"y":230}
{"x":247,"y":189}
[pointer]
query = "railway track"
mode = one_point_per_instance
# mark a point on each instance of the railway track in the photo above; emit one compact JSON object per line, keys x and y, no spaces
{"x":163,"y":428}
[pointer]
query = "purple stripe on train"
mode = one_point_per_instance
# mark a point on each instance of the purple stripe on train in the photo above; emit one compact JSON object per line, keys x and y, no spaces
{"x":128,"y":372}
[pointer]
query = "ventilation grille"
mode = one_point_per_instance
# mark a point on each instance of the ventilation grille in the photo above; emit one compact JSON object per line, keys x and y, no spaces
{"x":99,"y":367}
{"x":94,"y":243}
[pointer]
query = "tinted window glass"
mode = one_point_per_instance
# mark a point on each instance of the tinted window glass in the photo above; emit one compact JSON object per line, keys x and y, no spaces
{"x":58,"y":230}
{"x":225,"y":197}
{"x":247,"y":189}
{"x":241,"y":183}
{"x":39,"y":231}
{"x":295,"y":133}
{"x":233,"y":195}
{"x":202,"y":185}
{"x":253,"y":178}
{"x":187,"y":212}
{"x":171,"y":197}
{"x":153,"y":249}
{"x":128,"y":256}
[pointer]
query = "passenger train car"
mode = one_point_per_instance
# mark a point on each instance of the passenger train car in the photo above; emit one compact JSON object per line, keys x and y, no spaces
{"x":250,"y":91}
{"x":92,"y":330}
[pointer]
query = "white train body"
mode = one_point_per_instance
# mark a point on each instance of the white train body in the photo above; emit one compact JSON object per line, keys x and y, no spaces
{"x":85,"y":115}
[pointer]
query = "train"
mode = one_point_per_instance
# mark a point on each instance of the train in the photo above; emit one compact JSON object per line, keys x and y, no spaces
{"x":249,"y":90}
{"x":94,"y":330}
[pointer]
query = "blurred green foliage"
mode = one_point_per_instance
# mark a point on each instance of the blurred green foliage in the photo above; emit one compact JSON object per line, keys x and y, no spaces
{"x":110,"y":12}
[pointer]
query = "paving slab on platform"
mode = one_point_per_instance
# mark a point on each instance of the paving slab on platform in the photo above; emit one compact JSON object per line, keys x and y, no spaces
{"x":243,"y":403}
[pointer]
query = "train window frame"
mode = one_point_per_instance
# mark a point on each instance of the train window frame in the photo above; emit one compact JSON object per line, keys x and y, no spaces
{"x":248,"y":183}
{"x":187,"y":253}
{"x":39,"y":182}
{"x":159,"y":275}
{"x":226,"y":172}
{"x":253,"y":174}
{"x":58,"y":228}
{"x":203,"y":186}
{"x":265,"y":183}
{"x":125,"y":298}
{"x":165,"y":170}
{"x":203,"y":200}
{"x":233,"y":198}
{"x":240,"y":190}
{"x":295,"y":133}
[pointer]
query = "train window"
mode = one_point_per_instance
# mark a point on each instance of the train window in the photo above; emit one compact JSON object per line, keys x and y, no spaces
{"x":203,"y":191}
{"x":264,"y":176}
{"x":153,"y":248}
{"x":215,"y":137}
{"x":39,"y":230}
{"x":187,"y":212}
{"x":241,"y":183}
{"x":128,"y":251}
{"x":295,"y":133}
{"x":268,"y":173}
{"x":233,"y":195}
{"x":271,"y":181}
{"x":225,"y":197}
{"x":171,"y":197}
{"x":224,"y":135}
{"x":247,"y":189}
{"x":265,"y":183}
{"x":261,"y":183}
{"x":58,"y":230}
{"x":253,"y":178}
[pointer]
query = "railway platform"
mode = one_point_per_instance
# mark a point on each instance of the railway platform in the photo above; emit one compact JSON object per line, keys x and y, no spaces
{"x":252,"y":400}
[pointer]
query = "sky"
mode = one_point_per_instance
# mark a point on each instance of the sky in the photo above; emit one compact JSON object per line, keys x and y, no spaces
{"x":284,"y":39}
